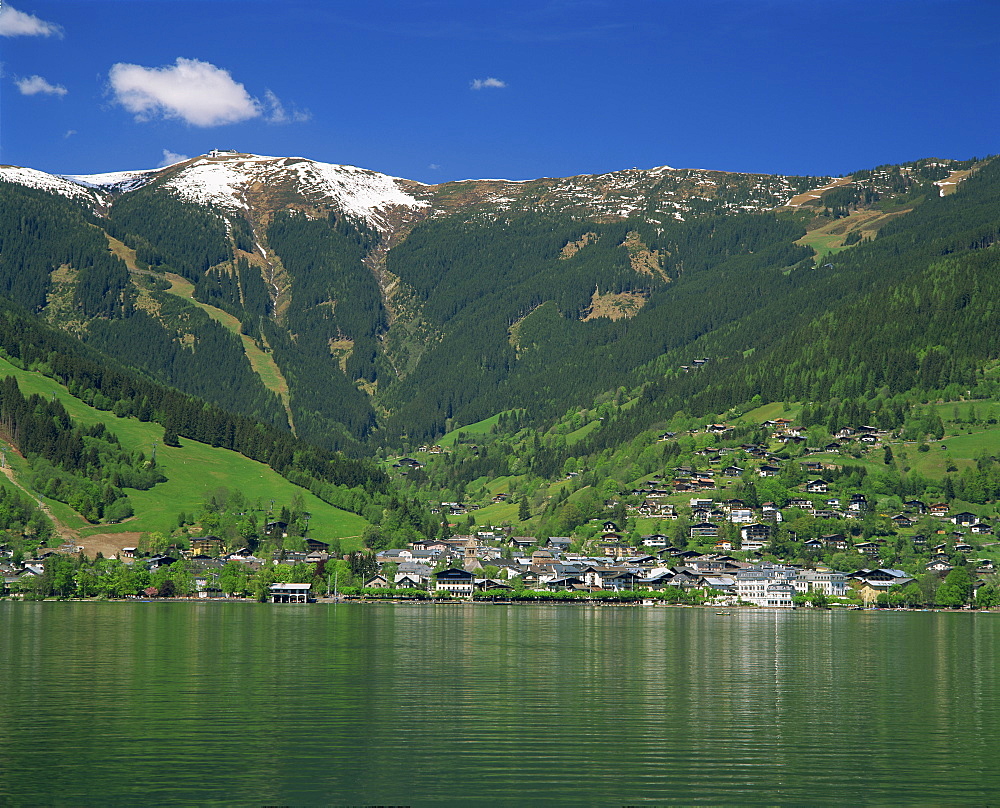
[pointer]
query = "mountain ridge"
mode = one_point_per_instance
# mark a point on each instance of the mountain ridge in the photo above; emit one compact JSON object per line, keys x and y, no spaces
{"x":385,"y":303}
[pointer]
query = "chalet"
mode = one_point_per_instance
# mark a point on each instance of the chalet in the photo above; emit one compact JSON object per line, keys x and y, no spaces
{"x":701,"y":503}
{"x":155,"y":562}
{"x":317,"y":546}
{"x":939,"y":509}
{"x":276,"y":528}
{"x":981,"y":528}
{"x":868,"y":548}
{"x":964,"y":518}
{"x":723,"y":546}
{"x":767,"y":470}
{"x":655,"y":540}
{"x":705,"y":530}
{"x":651,"y":510}
{"x":857,"y":503}
{"x":409,"y":580}
{"x":813,"y":545}
{"x":594,"y":576}
{"x":658,"y":580}
{"x":802,"y":503}
{"x":627,"y":580}
{"x":541,"y":558}
{"x":915,"y":505}
{"x":376,"y":582}
{"x":817,"y":487}
{"x":755,"y":531}
{"x":687,"y":579}
{"x":732,"y":471}
{"x":939,"y":565}
{"x":835,"y":541}
{"x":770,"y":512}
{"x":881,"y":576}
{"x":901,"y":520}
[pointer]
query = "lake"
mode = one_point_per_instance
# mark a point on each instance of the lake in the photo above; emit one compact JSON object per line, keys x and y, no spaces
{"x":247,"y":704}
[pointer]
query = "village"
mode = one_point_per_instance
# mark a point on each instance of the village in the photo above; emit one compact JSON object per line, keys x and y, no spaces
{"x":720,"y":550}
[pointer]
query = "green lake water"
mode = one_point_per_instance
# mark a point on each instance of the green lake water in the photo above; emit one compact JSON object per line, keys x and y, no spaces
{"x":236,"y":704}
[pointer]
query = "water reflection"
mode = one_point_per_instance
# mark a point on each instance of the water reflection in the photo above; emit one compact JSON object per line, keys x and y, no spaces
{"x":236,"y":703}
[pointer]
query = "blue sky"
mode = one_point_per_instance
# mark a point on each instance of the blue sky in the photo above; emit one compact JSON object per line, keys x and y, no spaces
{"x":436,"y":90}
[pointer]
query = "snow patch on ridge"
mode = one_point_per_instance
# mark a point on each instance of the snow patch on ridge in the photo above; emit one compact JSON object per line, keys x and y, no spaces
{"x":121,"y":181}
{"x":358,"y":192}
{"x":32,"y":178}
{"x":212,"y":183}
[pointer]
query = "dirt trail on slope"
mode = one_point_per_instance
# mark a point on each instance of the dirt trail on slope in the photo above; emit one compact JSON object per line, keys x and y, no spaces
{"x":67,"y":534}
{"x":108,"y":544}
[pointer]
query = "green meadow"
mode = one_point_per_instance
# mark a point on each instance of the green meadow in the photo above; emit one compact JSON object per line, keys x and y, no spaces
{"x":193,"y":470}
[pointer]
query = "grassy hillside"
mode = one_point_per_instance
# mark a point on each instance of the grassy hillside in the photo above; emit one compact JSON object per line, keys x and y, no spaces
{"x":194,"y":471}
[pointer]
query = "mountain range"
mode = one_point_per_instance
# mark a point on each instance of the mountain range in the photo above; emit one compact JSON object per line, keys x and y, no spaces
{"x":360,"y":310}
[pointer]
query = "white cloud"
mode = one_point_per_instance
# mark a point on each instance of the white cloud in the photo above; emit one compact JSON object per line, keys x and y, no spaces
{"x":434,"y":166}
{"x":196,"y":92}
{"x":169,"y":158}
{"x":36,"y":85}
{"x":481,"y":84}
{"x":276,"y":112}
{"x":17,"y":23}
{"x":69,"y":133}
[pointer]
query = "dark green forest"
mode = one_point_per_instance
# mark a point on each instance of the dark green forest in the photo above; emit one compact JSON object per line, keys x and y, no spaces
{"x":506,"y":309}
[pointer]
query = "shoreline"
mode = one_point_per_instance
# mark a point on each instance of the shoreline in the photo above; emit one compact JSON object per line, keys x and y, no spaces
{"x":724,"y":611}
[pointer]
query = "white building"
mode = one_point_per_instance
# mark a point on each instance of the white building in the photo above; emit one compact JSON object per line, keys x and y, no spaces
{"x":769,"y":585}
{"x":831,"y":583}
